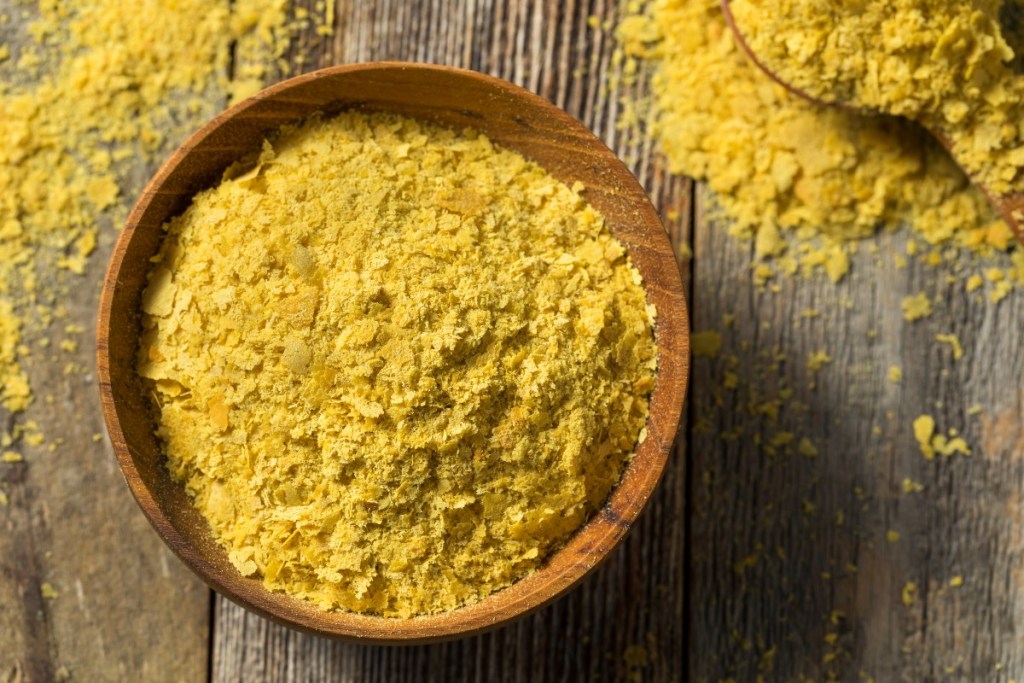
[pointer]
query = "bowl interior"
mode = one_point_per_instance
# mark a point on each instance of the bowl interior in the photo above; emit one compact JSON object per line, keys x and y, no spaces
{"x":511,"y":117}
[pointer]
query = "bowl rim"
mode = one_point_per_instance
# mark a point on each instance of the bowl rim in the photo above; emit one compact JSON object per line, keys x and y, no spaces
{"x":590,"y":544}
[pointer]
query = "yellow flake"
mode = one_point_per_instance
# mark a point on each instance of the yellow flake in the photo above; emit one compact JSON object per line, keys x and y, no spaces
{"x":916,"y":307}
{"x":924,"y":429}
{"x":911,"y":486}
{"x":706,"y":344}
{"x":954,"y":342}
{"x":909,"y":593}
{"x":101,"y":191}
{"x":895,"y":374}
{"x":818,"y":360}
{"x":47,"y":591}
{"x":1000,"y":290}
{"x":807,"y":449}
{"x":956,"y":582}
{"x":11,"y":456}
{"x":892,"y":536}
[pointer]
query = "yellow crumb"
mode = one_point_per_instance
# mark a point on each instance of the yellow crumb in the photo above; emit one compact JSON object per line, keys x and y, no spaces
{"x":47,"y":591}
{"x":1000,"y":290}
{"x":954,"y":343}
{"x":909,"y":593}
{"x":956,"y":581}
{"x":11,"y":457}
{"x":892,"y":536}
{"x":911,"y":486}
{"x":102,"y":87}
{"x":924,"y":429}
{"x":706,"y":344}
{"x":916,"y":307}
{"x":895,"y":374}
{"x":817,"y":360}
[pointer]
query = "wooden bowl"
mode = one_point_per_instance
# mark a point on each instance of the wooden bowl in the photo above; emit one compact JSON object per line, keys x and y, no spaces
{"x":456,"y":98}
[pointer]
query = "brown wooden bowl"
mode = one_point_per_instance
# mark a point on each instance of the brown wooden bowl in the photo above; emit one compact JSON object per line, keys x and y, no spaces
{"x":510,"y":116}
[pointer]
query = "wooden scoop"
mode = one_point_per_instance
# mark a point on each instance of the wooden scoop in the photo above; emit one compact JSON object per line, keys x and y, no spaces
{"x":1009,"y":206}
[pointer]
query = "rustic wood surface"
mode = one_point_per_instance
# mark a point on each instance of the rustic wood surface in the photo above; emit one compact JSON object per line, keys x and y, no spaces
{"x":746,"y":565}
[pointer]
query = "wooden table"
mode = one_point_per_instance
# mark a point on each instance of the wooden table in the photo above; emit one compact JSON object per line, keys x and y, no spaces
{"x":746,"y":566}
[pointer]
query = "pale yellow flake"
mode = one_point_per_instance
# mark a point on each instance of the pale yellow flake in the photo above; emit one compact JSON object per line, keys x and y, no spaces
{"x":916,"y":307}
{"x":924,"y":429}
{"x":706,"y":344}
{"x":817,"y":360}
{"x":954,"y":343}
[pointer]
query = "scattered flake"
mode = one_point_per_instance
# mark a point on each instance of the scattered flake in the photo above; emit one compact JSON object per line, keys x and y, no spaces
{"x":950,"y":445}
{"x":973,"y":283}
{"x":787,"y":174}
{"x":47,"y":590}
{"x":932,"y":443}
{"x":101,"y":85}
{"x":895,"y":374}
{"x":1000,"y":290}
{"x":706,"y":344}
{"x":909,"y":593}
{"x":956,"y":582}
{"x":818,"y":360}
{"x":911,"y":486}
{"x":11,"y":457}
{"x":807,"y":449}
{"x":924,"y":429}
{"x":954,"y":342}
{"x":892,"y":536}
{"x":916,"y":307}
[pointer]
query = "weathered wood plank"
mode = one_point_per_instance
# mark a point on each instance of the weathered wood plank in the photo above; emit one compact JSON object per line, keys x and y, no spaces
{"x":122,"y":607}
{"x":792,"y":574}
{"x":634,"y":603}
{"x":126,"y":608}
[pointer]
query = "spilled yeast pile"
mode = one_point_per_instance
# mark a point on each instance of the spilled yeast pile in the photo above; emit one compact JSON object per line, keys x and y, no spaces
{"x":394,"y":366}
{"x":789,"y":172}
{"x":945,"y":63}
{"x":90,"y":90}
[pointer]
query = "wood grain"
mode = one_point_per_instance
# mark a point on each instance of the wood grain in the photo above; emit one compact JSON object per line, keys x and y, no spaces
{"x":125,"y":608}
{"x":793,"y":574}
